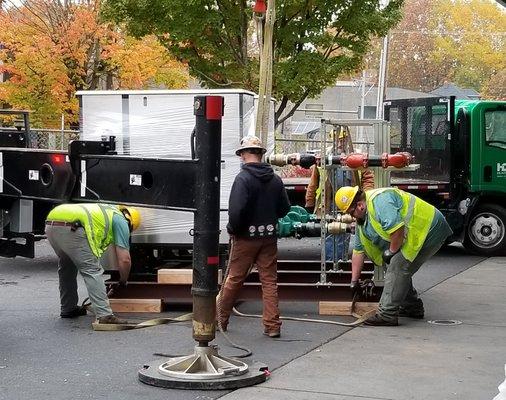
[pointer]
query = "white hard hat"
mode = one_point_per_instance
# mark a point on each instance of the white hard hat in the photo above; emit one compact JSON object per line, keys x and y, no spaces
{"x":250,"y":142}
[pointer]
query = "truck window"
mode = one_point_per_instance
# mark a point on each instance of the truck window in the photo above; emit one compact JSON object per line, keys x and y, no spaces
{"x":495,"y":128}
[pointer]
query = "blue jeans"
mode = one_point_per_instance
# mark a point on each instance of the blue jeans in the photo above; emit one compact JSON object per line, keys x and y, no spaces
{"x":330,"y":255}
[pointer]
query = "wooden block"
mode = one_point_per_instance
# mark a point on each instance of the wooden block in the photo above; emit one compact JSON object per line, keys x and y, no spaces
{"x":344,"y":307}
{"x":136,"y":305}
{"x":175,"y":275}
{"x":179,"y":276}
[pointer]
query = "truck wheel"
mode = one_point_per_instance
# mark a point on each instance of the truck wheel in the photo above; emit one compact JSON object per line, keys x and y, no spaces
{"x":486,"y":232}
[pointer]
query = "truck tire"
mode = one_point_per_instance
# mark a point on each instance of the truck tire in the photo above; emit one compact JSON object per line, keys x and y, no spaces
{"x":486,"y":231}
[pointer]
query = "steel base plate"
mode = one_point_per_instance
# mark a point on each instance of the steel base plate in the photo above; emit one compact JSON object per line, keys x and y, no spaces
{"x":150,"y":375}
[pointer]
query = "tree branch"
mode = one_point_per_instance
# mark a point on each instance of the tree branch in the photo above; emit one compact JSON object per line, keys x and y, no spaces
{"x":294,"y":108}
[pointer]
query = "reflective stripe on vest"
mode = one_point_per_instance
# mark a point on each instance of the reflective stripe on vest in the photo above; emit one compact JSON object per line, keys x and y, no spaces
{"x":322,"y":174}
{"x":417,"y":216}
{"x":95,"y":218}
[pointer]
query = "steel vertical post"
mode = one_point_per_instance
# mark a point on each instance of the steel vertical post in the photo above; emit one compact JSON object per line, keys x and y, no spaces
{"x":208,"y":111}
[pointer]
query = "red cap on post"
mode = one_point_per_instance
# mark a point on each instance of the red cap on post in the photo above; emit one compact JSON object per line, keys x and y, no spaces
{"x":214,"y":107}
{"x":260,"y":7}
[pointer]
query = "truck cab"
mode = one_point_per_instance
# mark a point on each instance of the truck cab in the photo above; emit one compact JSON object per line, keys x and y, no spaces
{"x":461,"y":148}
{"x":480,"y":173}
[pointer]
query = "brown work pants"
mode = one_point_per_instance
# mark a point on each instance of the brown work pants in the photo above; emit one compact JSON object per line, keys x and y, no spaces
{"x":244,"y":252}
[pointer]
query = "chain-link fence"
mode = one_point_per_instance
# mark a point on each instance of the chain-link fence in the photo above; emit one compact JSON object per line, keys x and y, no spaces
{"x":51,"y":139}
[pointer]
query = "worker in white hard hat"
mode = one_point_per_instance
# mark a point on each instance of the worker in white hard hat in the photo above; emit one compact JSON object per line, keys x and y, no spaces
{"x":257,"y":199}
{"x":79,"y":235}
{"x":400,"y":231}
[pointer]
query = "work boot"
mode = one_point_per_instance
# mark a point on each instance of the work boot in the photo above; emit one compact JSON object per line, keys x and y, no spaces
{"x":378,"y":320}
{"x":415,"y":314}
{"x":76,"y":312}
{"x":111,"y":319}
{"x":272,"y":334}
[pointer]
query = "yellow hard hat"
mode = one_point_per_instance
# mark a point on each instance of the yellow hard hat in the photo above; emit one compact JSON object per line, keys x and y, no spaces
{"x":344,"y":197}
{"x":132,"y":215}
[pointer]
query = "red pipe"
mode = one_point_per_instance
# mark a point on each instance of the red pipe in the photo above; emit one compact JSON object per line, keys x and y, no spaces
{"x":397,"y":160}
{"x":355,"y":160}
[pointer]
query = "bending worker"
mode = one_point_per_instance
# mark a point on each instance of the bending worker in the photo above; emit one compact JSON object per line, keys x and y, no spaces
{"x":400,"y":231}
{"x":79,"y":235}
{"x":257,"y":199}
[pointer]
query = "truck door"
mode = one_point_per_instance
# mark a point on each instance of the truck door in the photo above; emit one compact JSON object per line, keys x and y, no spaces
{"x":489,"y":119}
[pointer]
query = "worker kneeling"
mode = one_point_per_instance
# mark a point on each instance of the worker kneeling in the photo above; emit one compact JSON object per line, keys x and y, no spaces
{"x":400,"y":231}
{"x":79,"y":235}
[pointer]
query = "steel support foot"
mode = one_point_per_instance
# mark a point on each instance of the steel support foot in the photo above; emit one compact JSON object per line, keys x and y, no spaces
{"x":203,"y":370}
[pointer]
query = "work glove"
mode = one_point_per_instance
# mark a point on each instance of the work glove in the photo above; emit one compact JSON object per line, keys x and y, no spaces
{"x":387,"y":255}
{"x":356,"y":289}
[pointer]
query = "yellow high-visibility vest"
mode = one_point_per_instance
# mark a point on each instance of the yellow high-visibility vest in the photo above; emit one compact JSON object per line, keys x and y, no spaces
{"x":417,"y":216}
{"x":95,"y":218}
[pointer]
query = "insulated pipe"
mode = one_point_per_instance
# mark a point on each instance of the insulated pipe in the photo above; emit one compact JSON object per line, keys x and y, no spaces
{"x":338,"y":228}
{"x":353,"y":160}
{"x":342,"y":224}
{"x":313,"y":229}
{"x":304,"y":160}
{"x":344,"y":218}
{"x":208,"y":111}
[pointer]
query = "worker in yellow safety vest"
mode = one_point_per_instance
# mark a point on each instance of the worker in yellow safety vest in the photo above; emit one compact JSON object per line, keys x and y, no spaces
{"x":400,"y":231}
{"x":79,"y":235}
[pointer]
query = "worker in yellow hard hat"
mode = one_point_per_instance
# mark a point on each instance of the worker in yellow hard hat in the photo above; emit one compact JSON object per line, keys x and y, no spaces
{"x":79,"y":234}
{"x":132,"y":215}
{"x":400,"y":231}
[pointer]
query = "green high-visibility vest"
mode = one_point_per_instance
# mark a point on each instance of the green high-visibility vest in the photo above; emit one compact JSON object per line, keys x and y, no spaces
{"x":417,"y":215}
{"x":95,"y":218}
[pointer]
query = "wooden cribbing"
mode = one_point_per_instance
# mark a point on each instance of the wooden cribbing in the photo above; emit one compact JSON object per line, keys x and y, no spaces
{"x":136,"y":305}
{"x":180,"y":276}
{"x":344,"y":307}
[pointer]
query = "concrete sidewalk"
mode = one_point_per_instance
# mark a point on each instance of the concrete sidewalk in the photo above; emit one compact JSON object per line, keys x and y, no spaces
{"x":416,"y":360}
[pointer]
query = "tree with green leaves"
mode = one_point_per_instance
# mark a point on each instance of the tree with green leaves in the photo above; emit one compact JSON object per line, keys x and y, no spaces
{"x":314,"y":41}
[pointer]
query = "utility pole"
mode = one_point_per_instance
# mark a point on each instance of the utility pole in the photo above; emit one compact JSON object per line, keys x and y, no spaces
{"x":382,"y":76}
{"x":265,"y":81}
{"x":382,"y":73}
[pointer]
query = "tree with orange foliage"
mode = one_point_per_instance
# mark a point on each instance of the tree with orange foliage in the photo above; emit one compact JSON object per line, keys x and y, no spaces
{"x":51,"y":49}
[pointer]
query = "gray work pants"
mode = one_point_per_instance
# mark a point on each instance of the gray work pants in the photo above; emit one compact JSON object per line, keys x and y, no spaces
{"x":398,"y":290}
{"x":75,"y":255}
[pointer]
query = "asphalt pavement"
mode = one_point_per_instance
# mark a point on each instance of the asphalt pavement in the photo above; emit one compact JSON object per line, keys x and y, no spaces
{"x":45,"y":357}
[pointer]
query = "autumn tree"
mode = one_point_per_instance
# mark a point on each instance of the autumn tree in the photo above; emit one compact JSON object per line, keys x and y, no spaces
{"x":411,"y":48}
{"x":495,"y":88}
{"x":51,"y":49}
{"x":438,"y":41}
{"x":314,"y":41}
{"x":472,"y":34}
